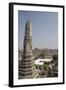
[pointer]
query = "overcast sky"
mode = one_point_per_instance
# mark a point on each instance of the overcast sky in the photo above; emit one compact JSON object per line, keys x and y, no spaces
{"x":44,"y":28}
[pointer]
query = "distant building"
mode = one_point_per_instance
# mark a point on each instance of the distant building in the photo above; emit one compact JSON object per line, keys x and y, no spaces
{"x":51,"y":52}
{"x":41,"y":61}
{"x":48,"y":53}
{"x":36,"y":52}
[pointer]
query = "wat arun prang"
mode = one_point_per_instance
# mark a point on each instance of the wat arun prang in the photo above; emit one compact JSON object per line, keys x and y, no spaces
{"x":27,"y":69}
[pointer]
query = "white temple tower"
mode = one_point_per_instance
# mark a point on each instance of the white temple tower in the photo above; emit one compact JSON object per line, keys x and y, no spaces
{"x":26,"y":66}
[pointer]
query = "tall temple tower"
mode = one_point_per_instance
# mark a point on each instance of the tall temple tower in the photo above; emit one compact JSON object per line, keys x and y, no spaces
{"x":26,"y":66}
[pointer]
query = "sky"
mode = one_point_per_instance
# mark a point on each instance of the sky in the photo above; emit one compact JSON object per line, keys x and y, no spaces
{"x":44,"y":28}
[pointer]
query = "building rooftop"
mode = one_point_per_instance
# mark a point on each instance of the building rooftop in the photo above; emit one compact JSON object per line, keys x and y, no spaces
{"x":41,"y":61}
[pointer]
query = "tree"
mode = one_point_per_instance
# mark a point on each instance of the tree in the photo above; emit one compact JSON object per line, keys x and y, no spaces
{"x":36,"y":49}
{"x":42,"y":54}
{"x":55,"y":57}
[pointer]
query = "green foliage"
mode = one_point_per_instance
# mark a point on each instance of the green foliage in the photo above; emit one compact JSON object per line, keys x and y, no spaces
{"x":45,"y":66}
{"x":55,"y":57}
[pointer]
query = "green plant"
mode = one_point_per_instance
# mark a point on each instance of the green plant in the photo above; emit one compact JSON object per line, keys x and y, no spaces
{"x":45,"y":66}
{"x":55,"y":57}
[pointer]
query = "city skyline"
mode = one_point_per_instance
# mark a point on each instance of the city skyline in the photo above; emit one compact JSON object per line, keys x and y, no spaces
{"x":44,"y":29}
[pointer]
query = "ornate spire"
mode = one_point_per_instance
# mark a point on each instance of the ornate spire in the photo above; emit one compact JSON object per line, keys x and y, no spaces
{"x":26,"y":66}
